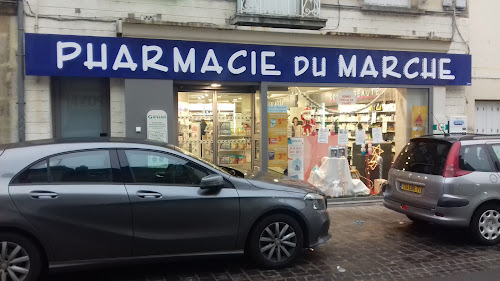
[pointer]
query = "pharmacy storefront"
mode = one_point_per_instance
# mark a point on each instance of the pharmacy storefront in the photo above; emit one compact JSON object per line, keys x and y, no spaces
{"x":326,"y":115}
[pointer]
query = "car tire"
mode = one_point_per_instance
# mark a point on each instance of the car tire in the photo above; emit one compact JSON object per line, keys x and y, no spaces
{"x":485,"y":224}
{"x":24,"y":256}
{"x":273,"y":252}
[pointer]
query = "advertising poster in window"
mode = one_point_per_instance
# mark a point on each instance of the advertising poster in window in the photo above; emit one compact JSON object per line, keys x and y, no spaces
{"x":277,"y":119}
{"x":418,"y":120}
{"x":157,"y":125}
{"x":296,"y":158}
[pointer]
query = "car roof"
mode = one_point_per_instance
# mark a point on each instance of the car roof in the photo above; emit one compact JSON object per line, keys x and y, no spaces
{"x":84,"y":140}
{"x":460,"y":137}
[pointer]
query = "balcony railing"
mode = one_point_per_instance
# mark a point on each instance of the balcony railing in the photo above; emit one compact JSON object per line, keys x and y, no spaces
{"x":291,"y":8}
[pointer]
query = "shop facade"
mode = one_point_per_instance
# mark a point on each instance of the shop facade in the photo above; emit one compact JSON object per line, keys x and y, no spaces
{"x":242,"y":105}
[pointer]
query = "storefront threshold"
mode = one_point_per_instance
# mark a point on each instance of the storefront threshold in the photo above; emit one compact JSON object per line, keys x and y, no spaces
{"x":356,"y":200}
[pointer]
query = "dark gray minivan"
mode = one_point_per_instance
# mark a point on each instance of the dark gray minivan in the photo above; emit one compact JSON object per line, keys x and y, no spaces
{"x":78,"y":202}
{"x":449,"y":180}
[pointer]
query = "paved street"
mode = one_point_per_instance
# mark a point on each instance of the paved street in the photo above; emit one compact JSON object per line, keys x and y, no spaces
{"x":382,"y":245}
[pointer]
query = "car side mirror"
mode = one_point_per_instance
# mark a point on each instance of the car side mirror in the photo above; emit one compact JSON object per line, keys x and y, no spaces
{"x":212,"y":181}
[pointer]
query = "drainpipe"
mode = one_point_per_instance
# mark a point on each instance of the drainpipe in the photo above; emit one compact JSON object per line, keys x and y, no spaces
{"x":20,"y":70}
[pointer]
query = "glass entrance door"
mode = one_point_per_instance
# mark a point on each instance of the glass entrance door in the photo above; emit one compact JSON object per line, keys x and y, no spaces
{"x":234,"y":134}
{"x":217,"y":126}
{"x":196,"y":123}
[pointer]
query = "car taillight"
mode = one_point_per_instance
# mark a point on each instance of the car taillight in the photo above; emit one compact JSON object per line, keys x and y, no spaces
{"x":451,"y":167}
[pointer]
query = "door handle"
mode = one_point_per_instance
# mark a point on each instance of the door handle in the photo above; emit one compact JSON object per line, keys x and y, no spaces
{"x":148,"y":194}
{"x":43,"y":194}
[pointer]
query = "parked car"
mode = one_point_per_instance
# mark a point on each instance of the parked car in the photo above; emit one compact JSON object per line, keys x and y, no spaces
{"x":449,"y":180}
{"x":80,"y":202}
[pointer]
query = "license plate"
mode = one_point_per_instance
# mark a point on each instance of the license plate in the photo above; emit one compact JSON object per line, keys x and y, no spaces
{"x":411,"y":188}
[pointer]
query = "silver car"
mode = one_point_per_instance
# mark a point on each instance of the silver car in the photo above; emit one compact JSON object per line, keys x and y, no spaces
{"x":66,"y":203}
{"x":449,"y":180}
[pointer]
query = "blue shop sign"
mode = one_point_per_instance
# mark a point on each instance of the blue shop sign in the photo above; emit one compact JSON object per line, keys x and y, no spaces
{"x":86,"y":56}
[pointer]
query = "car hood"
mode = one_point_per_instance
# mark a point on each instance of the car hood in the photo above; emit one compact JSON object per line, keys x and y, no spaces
{"x":282,"y":183}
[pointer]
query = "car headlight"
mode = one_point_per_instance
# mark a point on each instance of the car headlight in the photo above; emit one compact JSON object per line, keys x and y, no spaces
{"x":318,"y":201}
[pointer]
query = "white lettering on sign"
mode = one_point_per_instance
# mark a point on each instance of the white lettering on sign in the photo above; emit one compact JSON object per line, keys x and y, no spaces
{"x":184,"y":65}
{"x":407,"y":68}
{"x":389,"y":70}
{"x":61,"y":57}
{"x":90,"y":63}
{"x":322,"y":72}
{"x":253,"y":64}
{"x":152,"y":62}
{"x":445,"y":74}
{"x":345,"y":70}
{"x":242,"y":61}
{"x":128,"y":63}
{"x":426,"y":73}
{"x":210,"y":57}
{"x":267,"y":68}
{"x":369,"y":68}
{"x":299,"y":71}
{"x":230,"y":66}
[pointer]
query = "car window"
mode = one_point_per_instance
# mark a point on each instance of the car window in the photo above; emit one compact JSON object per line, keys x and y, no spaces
{"x":35,"y":174}
{"x":76,"y":167}
{"x":475,"y":158}
{"x":88,"y":166}
{"x":425,"y":156}
{"x":496,"y":150}
{"x":220,"y":169}
{"x":160,"y":168}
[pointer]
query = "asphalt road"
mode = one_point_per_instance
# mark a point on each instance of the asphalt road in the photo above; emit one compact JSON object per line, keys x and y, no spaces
{"x":369,"y":242}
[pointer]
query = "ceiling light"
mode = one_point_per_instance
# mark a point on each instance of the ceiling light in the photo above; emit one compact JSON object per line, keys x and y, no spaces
{"x":206,"y":95}
{"x":215,"y":85}
{"x":240,"y":98}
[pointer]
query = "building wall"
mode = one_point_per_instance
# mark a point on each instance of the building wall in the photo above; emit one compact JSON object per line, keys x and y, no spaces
{"x":485,"y":61}
{"x":8,"y":78}
{"x":355,"y":28}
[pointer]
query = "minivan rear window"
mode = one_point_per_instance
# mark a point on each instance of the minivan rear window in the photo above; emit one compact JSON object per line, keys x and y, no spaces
{"x":426,"y":156}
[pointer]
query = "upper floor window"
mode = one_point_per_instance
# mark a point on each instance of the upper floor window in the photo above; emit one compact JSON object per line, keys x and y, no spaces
{"x":389,"y":3}
{"x":299,"y":8}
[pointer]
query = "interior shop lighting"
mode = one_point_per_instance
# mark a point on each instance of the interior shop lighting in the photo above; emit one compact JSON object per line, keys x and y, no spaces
{"x":215,"y":85}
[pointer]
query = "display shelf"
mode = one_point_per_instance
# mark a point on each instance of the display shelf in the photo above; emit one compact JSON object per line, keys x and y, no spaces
{"x":233,"y":150}
{"x":378,"y":111}
{"x":235,"y":136}
{"x":353,"y":121}
{"x":236,"y":165}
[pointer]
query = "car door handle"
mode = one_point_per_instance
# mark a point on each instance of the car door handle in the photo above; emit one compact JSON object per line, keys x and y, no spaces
{"x":40,"y":194}
{"x":148,"y":194}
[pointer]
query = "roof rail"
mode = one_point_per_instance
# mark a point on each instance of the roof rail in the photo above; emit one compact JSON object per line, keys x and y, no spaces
{"x":478,"y":136}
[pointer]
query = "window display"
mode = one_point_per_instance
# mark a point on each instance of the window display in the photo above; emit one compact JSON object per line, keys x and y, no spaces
{"x":374,"y":124}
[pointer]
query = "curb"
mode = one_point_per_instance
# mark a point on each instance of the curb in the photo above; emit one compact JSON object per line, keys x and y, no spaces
{"x":355,"y":200}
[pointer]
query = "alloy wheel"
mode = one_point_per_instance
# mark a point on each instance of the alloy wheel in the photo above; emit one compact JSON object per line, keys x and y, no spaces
{"x":489,"y":224}
{"x":277,"y":242}
{"x":14,"y":262}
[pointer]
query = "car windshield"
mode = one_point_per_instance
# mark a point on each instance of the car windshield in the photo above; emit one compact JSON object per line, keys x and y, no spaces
{"x":426,"y":156}
{"x":201,"y":160}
